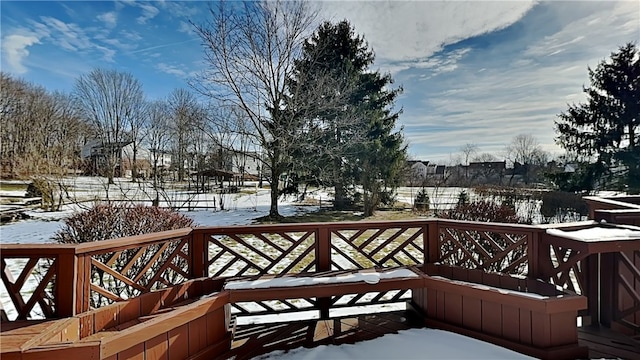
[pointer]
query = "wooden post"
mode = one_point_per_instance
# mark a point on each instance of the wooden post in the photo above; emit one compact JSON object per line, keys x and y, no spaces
{"x":533,"y":254}
{"x":323,"y":248}
{"x":608,"y":269}
{"x":65,"y":288}
{"x":543,"y":268}
{"x":591,"y":283}
{"x":198,"y":254}
{"x":323,"y":263}
{"x":431,"y":237}
{"x":83,"y":283}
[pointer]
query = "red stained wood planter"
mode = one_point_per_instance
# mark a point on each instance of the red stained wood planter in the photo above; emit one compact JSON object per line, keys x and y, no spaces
{"x":541,"y":327}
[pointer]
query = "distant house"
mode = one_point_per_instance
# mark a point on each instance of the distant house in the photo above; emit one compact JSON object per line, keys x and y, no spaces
{"x":487,"y":171}
{"x":159,"y":158}
{"x":417,"y":171}
{"x":247,"y":163}
{"x":97,"y":153}
{"x":420,"y":171}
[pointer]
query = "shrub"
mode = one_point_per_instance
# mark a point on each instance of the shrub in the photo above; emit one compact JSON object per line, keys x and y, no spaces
{"x":107,"y":221}
{"x":114,"y":221}
{"x":422,"y":201}
{"x":484,"y":211}
{"x":463,"y":198}
{"x":49,"y":190}
{"x":563,"y":206}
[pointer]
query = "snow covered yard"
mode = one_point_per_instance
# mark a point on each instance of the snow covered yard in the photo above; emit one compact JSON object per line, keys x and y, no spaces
{"x":243,"y":210}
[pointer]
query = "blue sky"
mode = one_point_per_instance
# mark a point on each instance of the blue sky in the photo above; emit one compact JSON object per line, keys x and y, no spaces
{"x":472,"y":71}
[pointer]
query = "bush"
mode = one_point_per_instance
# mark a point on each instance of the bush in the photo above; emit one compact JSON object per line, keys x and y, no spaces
{"x":422,"y":201}
{"x":463,"y":198}
{"x":50,"y":191}
{"x":484,"y":211}
{"x":114,"y":221}
{"x":563,"y":206}
{"x":107,"y":221}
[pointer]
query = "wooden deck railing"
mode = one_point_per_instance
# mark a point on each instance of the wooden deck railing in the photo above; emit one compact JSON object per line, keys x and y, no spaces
{"x":55,"y":281}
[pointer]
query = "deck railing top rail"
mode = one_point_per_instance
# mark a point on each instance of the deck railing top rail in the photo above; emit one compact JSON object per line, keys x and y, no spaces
{"x":110,"y":245}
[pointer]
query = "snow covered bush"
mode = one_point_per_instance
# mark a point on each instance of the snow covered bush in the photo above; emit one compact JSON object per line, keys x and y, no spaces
{"x":108,"y":221}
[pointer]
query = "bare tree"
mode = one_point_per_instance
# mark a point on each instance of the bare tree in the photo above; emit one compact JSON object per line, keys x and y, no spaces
{"x":468,"y":150}
{"x":136,"y":133}
{"x":525,"y":153}
{"x":250,"y":53}
{"x":70,"y":133}
{"x":158,"y":121}
{"x":40,"y":132}
{"x":109,"y":99}
{"x":184,"y":111}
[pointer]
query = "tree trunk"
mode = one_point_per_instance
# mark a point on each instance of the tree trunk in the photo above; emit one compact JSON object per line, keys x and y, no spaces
{"x":111,"y":168}
{"x":339,"y":201}
{"x":134,"y":165}
{"x":275,"y":191}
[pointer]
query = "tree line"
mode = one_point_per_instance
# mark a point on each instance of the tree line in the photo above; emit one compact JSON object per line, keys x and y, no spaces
{"x":304,"y":98}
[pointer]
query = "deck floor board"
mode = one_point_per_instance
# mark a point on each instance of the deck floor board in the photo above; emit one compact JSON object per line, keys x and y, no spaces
{"x":605,"y":343}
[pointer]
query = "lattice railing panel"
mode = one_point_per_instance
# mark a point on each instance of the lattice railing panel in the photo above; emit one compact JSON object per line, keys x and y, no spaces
{"x":121,"y":275}
{"x":261,"y":253}
{"x":495,"y":251}
{"x":568,"y":272}
{"x":30,"y":284}
{"x":385,"y":247}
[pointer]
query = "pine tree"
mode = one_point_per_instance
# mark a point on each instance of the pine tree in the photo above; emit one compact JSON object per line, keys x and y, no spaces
{"x":604,"y":131}
{"x":349,"y":137}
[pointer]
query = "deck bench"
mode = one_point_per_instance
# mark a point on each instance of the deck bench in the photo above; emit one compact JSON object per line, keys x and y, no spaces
{"x":323,"y":284}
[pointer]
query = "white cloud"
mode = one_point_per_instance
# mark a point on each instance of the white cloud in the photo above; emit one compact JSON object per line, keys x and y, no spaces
{"x":77,"y":39}
{"x":14,"y":50}
{"x":148,"y":12}
{"x":186,"y":28}
{"x":130,"y":35}
{"x":504,"y":92}
{"x":170,"y":69}
{"x":68,"y":36}
{"x":605,"y":25}
{"x":110,"y":19}
{"x":410,"y":30}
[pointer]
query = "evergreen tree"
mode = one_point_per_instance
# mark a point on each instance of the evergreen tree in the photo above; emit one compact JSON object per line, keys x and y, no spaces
{"x":604,"y":130}
{"x":348,"y":138}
